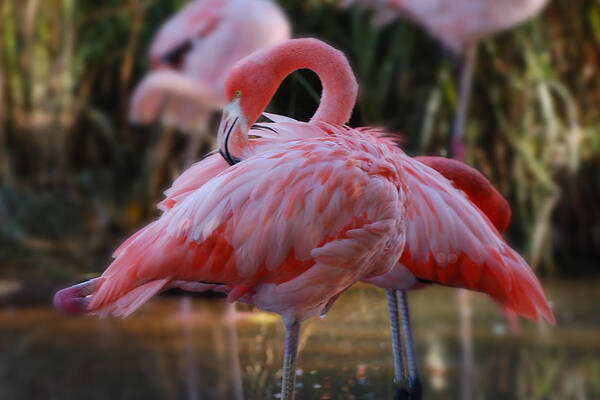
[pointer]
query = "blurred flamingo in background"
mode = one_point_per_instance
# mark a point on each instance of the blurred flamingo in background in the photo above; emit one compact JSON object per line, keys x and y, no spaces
{"x":191,"y":56}
{"x":288,"y":215}
{"x":459,"y":25}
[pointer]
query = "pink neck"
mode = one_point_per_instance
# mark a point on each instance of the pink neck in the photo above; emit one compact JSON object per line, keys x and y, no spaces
{"x":273,"y":65}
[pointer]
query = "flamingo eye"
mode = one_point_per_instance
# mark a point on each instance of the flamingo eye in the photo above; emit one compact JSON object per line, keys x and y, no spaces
{"x":237,"y":94}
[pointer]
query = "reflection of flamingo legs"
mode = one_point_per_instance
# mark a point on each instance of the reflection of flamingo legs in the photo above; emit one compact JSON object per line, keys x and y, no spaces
{"x":466,"y":344}
{"x":408,"y":378}
{"x":234,"y":359}
{"x":191,"y":368}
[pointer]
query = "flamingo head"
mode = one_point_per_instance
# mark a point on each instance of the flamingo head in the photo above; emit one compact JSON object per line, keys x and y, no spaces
{"x":249,"y":87}
{"x":251,"y":84}
{"x":172,"y":58}
{"x":253,"y":81}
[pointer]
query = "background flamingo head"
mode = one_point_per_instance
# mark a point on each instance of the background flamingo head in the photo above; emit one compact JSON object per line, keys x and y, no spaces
{"x":173,"y":58}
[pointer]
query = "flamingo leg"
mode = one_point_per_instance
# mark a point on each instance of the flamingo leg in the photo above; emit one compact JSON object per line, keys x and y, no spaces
{"x":408,"y":377}
{"x":399,"y":374}
{"x":288,"y":379}
{"x":195,"y":141}
{"x":458,"y":150}
{"x":414,"y":381}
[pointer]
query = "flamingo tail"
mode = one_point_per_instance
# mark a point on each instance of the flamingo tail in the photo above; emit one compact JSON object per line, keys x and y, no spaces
{"x":506,"y":277}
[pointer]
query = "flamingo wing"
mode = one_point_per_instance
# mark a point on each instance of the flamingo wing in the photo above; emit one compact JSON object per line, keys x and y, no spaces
{"x":192,"y":179}
{"x":265,"y":135}
{"x":452,"y":242}
{"x":268,"y":219}
{"x":475,"y":185}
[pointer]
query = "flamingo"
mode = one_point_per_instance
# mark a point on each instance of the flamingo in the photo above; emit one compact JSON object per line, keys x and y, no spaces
{"x":330,"y":209}
{"x":459,"y":25}
{"x":191,"y":56}
{"x":287,"y":214}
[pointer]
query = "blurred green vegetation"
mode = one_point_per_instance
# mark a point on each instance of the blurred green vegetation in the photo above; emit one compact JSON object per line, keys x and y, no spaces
{"x":76,"y":177}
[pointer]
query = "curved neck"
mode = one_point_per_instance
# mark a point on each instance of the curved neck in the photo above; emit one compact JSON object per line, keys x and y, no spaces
{"x":265,"y":70}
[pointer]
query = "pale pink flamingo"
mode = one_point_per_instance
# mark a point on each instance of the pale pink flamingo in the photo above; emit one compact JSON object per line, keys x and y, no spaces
{"x":460,"y":25}
{"x":289,"y":214}
{"x":191,"y":56}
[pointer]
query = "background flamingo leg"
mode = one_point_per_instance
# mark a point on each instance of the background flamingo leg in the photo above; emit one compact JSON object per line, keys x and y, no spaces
{"x":466,"y":80}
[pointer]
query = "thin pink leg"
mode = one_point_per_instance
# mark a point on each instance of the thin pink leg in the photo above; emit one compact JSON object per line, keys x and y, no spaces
{"x":458,"y":149}
{"x":288,"y":379}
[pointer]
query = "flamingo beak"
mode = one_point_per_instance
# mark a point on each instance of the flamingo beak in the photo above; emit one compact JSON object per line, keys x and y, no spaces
{"x":74,"y":300}
{"x":230,"y":132}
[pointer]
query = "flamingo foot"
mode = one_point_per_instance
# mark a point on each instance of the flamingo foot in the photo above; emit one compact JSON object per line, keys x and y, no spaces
{"x":75,"y":299}
{"x":413,"y":392}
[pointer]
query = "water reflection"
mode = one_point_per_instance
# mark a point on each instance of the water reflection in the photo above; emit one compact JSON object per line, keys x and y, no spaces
{"x":180,"y":349}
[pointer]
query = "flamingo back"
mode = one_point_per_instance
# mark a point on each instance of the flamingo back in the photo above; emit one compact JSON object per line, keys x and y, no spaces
{"x":476,"y":186}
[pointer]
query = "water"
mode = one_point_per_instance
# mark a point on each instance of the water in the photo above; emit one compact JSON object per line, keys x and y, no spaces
{"x":177,"y":350}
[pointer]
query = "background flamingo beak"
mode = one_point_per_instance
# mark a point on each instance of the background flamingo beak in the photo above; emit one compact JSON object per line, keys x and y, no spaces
{"x":174,"y":58}
{"x":74,"y":300}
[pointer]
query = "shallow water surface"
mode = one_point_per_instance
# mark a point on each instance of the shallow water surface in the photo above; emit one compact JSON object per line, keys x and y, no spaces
{"x":186,"y":348}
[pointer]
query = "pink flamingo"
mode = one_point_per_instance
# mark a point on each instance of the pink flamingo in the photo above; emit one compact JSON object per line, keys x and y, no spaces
{"x":460,"y":25}
{"x":192,"y":54}
{"x":287,"y":215}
